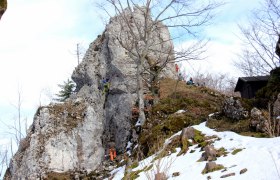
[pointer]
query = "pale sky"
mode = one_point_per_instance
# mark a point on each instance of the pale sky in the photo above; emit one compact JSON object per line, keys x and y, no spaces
{"x":38,"y":40}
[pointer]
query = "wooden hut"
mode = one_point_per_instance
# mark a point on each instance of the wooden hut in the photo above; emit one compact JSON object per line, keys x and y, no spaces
{"x":248,"y":86}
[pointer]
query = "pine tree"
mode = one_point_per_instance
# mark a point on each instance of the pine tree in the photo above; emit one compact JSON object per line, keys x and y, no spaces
{"x":67,"y":89}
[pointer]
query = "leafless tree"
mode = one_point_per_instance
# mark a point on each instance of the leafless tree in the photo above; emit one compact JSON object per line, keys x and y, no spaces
{"x":3,"y":160}
{"x":260,"y":36}
{"x":146,"y":41}
{"x":16,"y":129}
{"x":222,"y":82}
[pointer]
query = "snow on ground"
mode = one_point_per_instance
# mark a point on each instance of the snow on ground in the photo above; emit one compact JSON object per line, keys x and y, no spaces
{"x":261,"y":157}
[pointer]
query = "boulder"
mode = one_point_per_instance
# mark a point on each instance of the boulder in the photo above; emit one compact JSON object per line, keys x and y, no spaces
{"x":232,"y":108}
{"x":258,"y":122}
{"x":242,"y":171}
{"x":210,"y":154}
{"x":187,"y":133}
{"x":211,"y":166}
{"x":160,"y":176}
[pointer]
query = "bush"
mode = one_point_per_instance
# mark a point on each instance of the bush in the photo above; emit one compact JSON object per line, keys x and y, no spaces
{"x":67,"y":88}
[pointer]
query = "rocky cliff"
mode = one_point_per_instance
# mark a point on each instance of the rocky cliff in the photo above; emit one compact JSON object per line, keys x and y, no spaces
{"x":75,"y":135}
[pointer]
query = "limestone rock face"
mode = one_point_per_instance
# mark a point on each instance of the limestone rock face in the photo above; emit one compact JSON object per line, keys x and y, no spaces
{"x":63,"y":137}
{"x":74,"y":136}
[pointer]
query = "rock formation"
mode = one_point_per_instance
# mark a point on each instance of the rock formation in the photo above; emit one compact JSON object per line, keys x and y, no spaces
{"x":74,"y":136}
{"x":3,"y":7}
{"x":232,"y":108}
{"x":257,"y":121}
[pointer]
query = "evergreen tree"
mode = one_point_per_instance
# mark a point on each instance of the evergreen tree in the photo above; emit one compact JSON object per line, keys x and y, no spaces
{"x":67,"y":89}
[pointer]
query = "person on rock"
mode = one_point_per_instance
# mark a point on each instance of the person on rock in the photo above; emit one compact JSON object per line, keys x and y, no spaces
{"x":106,"y":86}
{"x":190,"y":82}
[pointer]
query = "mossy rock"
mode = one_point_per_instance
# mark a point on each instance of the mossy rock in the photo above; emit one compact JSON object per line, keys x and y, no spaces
{"x":185,"y":147}
{"x":236,"y":151}
{"x":216,"y":168}
{"x":198,"y":136}
{"x":222,"y":152}
{"x":134,"y":165}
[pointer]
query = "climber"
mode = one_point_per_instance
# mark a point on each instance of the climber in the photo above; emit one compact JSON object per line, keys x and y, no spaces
{"x":176,"y":68}
{"x":113,"y":153}
{"x":106,"y":86}
{"x":190,"y":82}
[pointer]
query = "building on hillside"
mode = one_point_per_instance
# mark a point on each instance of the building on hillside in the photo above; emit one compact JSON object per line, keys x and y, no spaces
{"x":248,"y":86}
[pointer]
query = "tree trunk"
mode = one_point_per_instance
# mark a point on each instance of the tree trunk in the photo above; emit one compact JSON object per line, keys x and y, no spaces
{"x":140,"y":94}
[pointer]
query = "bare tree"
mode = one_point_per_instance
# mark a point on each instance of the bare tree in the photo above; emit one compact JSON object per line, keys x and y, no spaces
{"x":16,"y":129}
{"x":3,"y":160}
{"x":147,"y":41}
{"x":258,"y":55}
{"x":222,"y":83}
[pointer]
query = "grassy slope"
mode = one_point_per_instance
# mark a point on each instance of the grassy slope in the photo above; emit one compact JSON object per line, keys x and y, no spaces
{"x":198,"y":102}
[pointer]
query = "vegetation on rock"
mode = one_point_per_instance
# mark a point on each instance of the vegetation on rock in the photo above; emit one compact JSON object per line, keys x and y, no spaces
{"x":163,"y":121}
{"x":67,"y":89}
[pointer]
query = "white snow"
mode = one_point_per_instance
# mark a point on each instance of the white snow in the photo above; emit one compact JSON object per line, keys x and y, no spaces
{"x":180,"y":111}
{"x":261,"y":157}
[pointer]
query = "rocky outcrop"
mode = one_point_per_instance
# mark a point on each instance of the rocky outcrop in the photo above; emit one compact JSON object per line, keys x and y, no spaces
{"x":74,"y":136}
{"x":258,"y":122}
{"x":232,"y":108}
{"x":63,"y":137}
{"x":3,"y":7}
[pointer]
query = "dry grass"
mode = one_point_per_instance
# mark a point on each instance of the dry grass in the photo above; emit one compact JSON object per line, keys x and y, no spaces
{"x":198,"y":102}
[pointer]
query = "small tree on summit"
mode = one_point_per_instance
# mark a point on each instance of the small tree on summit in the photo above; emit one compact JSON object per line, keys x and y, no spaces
{"x":67,"y":89}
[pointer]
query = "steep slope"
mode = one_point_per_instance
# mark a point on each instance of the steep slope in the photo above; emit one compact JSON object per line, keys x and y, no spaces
{"x":73,"y":137}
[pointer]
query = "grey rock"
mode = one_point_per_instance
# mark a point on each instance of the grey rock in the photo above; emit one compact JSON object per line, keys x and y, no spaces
{"x":211,"y":166}
{"x":228,"y":175}
{"x":210,"y":154}
{"x":187,"y":133}
{"x":232,"y":108}
{"x":242,"y":171}
{"x":175,"y":174}
{"x":258,"y":122}
{"x":74,"y":136}
{"x":160,"y":176}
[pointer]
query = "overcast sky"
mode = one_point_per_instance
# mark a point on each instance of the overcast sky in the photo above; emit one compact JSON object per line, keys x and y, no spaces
{"x":38,"y":40}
